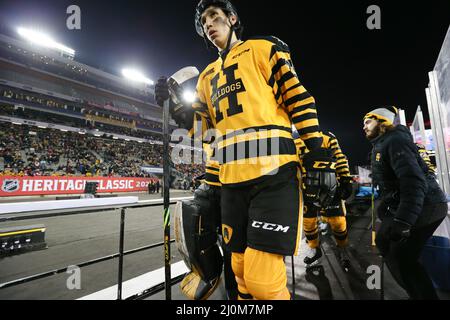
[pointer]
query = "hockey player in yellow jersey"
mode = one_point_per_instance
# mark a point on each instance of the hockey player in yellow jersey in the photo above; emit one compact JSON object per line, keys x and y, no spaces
{"x":334,"y":213}
{"x":426,"y":157}
{"x":251,"y":95}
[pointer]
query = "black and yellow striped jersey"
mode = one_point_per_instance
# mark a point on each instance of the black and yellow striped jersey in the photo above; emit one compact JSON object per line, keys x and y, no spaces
{"x":329,"y":142}
{"x":212,"y":167}
{"x":251,"y":97}
{"x":425,"y":156}
{"x":207,"y":137}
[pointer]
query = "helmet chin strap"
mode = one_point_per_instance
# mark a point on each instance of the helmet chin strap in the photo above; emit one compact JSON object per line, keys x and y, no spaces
{"x":230,"y":35}
{"x":224,"y":53}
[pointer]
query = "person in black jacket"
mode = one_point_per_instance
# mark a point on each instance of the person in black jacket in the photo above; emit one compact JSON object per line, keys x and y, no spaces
{"x":412,"y":204}
{"x":157,"y":186}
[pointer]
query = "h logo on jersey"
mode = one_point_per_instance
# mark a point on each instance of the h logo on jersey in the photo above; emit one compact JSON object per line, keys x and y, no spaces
{"x":228,"y":91}
{"x":10,"y":185}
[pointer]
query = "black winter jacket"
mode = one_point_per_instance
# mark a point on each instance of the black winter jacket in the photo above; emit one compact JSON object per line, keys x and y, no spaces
{"x":402,"y":177}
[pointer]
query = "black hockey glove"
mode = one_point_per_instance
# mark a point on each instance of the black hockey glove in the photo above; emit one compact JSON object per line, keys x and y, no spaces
{"x":345,"y":188}
{"x":208,"y":199}
{"x":182,"y":115}
{"x":161,"y":90}
{"x":400,"y":230}
{"x":319,"y":183}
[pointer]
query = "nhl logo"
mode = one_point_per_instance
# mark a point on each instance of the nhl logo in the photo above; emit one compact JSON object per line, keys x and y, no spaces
{"x":10,"y":185}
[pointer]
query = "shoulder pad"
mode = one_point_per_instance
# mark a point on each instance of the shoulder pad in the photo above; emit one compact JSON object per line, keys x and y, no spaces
{"x":281,"y":45}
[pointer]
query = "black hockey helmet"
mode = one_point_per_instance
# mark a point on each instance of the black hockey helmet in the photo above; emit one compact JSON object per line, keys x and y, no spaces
{"x":225,"y":5}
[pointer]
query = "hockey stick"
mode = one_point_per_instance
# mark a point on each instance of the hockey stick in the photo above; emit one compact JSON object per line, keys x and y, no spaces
{"x":166,"y":197}
{"x":373,"y":215}
{"x":293,"y":277}
{"x":382,"y":279}
{"x":174,"y":83}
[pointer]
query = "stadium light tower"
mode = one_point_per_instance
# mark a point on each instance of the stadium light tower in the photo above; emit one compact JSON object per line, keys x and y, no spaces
{"x":136,"y":76}
{"x":45,"y":41}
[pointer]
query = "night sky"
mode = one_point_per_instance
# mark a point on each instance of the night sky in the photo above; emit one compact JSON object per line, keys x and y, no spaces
{"x":348,"y":68}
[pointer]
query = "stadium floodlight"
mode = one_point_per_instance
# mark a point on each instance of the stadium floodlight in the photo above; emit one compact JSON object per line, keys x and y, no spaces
{"x":189,"y":96}
{"x":136,"y":76}
{"x":44,"y":40}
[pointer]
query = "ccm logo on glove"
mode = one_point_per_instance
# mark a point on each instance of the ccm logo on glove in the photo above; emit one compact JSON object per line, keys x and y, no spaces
{"x":324,"y":165}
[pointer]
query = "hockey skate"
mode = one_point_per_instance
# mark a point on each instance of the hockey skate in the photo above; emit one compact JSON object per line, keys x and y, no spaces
{"x":344,"y":259}
{"x":312,"y":257}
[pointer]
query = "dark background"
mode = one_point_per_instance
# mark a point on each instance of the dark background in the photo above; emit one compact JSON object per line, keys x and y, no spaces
{"x":348,"y":68}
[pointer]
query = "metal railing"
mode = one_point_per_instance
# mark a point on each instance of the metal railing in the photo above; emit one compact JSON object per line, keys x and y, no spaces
{"x":121,"y":254}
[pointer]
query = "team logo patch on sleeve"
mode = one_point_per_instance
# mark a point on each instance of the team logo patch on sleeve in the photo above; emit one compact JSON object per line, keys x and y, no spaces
{"x":10,"y":185}
{"x":378,"y":157}
{"x":227,"y":232}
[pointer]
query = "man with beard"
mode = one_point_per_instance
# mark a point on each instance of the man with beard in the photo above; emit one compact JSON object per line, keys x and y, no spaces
{"x":412,"y":204}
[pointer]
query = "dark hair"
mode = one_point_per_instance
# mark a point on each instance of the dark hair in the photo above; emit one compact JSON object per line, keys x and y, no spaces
{"x":238,"y":27}
{"x":384,"y":127}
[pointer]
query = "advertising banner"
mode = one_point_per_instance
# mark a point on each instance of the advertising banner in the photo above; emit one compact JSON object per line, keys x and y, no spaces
{"x":29,"y":186}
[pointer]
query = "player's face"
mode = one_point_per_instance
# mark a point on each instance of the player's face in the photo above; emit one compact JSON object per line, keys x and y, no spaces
{"x":216,"y":26}
{"x":371,"y":128}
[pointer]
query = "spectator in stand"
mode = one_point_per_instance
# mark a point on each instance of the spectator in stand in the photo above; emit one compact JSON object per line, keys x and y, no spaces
{"x":150,"y":188}
{"x":31,"y":151}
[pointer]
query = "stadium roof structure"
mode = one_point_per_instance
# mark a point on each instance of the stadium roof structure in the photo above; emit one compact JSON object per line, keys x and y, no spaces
{"x":92,"y":77}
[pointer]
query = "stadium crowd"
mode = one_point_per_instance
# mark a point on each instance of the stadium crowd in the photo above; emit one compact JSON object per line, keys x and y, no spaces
{"x":37,"y":115}
{"x":88,"y":110}
{"x":31,"y":151}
